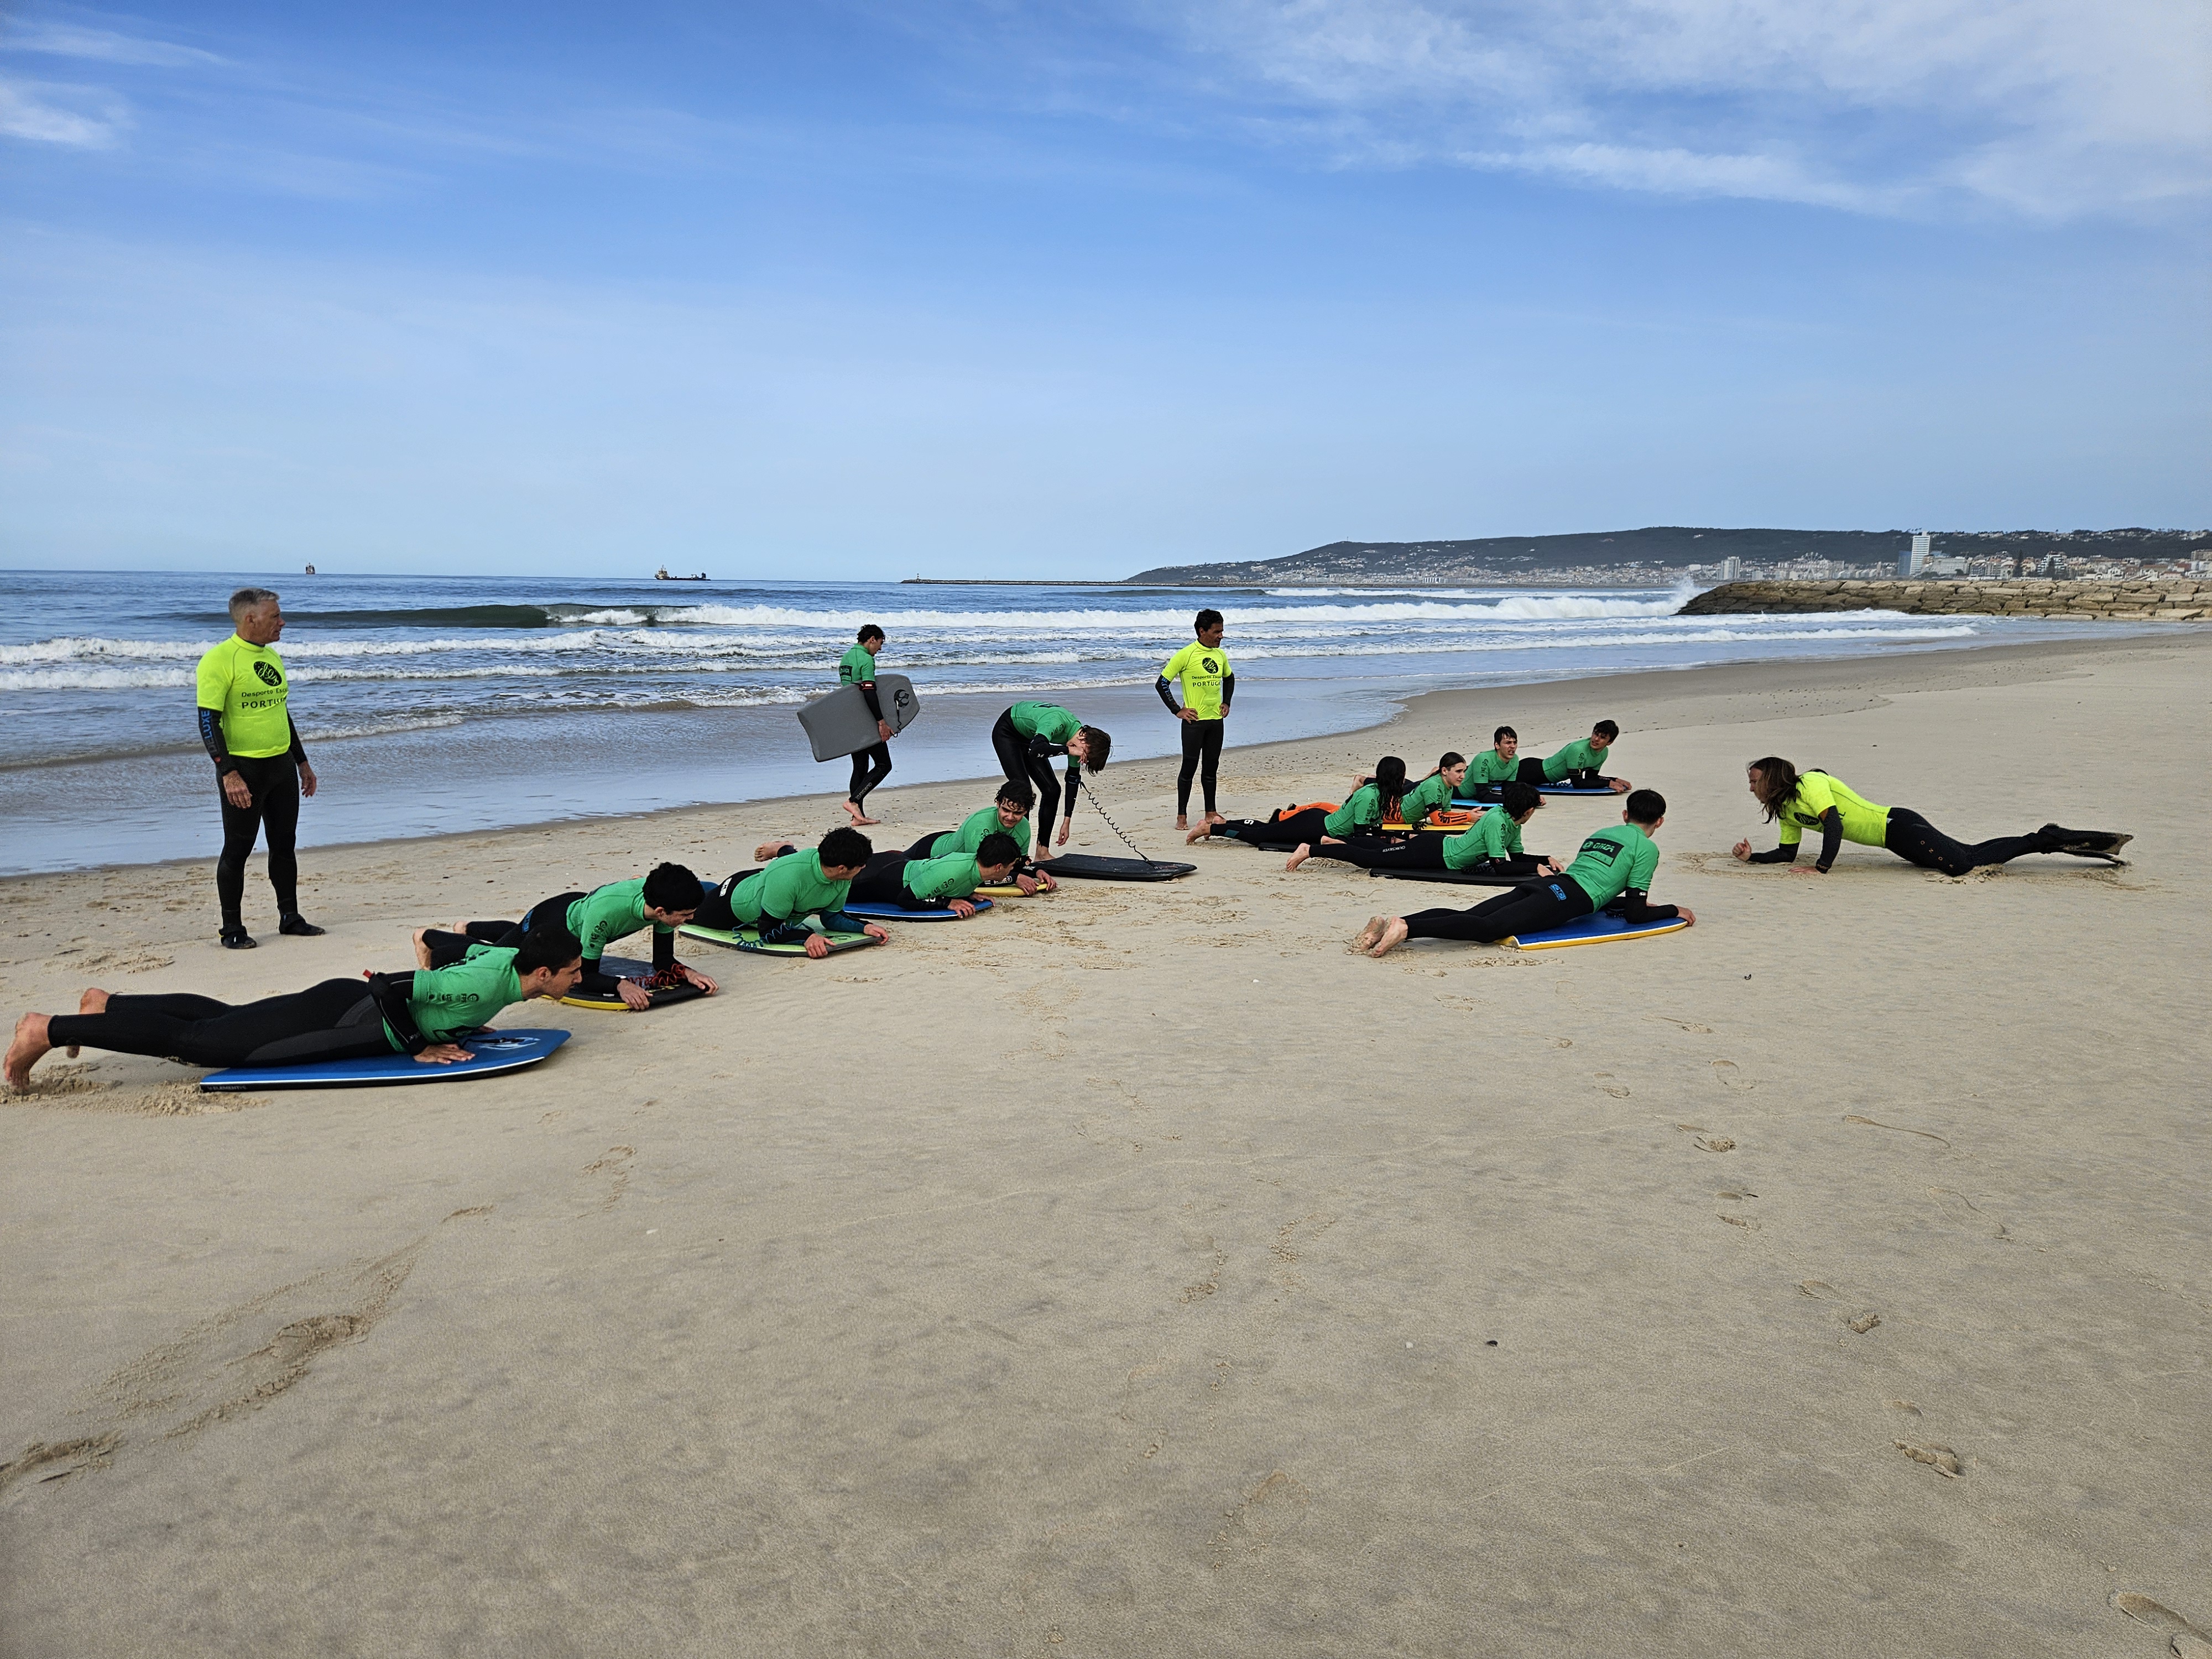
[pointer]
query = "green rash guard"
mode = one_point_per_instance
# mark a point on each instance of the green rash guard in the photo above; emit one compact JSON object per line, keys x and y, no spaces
{"x":931,"y":880}
{"x":1863,"y":821}
{"x":1615,"y":862}
{"x":245,"y":686}
{"x":446,"y":1001}
{"x":973,"y":827}
{"x":1200,"y":668}
{"x":1495,"y":835}
{"x":1363,"y":811}
{"x":1491,"y":766}
{"x":607,"y":914}
{"x":1430,"y":794}
{"x":1044,"y":719}
{"x":794,"y":885}
{"x":1576,"y":757}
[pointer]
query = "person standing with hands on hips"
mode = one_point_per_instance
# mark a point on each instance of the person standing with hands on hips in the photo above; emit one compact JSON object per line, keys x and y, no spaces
{"x":869,"y":766}
{"x":1208,"y":686}
{"x":245,"y":721}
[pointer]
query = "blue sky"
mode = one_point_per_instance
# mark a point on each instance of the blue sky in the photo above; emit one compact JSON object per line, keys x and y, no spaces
{"x":859,"y":291}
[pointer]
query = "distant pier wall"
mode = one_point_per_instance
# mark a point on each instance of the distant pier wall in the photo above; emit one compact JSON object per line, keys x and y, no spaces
{"x":2180,"y":599}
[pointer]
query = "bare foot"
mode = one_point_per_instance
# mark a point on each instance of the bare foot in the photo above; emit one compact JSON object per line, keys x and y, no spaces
{"x":1213,"y":817}
{"x":1182,"y":820}
{"x":860,"y":820}
{"x":422,"y":948}
{"x":1199,"y":834}
{"x":94,"y":1002}
{"x":1370,"y":932}
{"x":1393,"y":935}
{"x":1298,"y":858}
{"x":29,"y":1047}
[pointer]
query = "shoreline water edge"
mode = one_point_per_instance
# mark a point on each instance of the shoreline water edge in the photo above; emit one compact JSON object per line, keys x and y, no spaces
{"x":436,"y":707}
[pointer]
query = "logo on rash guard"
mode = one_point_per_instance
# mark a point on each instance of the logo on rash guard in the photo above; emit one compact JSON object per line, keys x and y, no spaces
{"x":1209,"y":664}
{"x":268,"y":674}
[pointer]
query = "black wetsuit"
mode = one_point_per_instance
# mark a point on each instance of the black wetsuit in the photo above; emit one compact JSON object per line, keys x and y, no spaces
{"x":1537,"y":908}
{"x":882,"y":881}
{"x":1021,"y":757}
{"x":273,"y":780}
{"x":873,"y":765}
{"x":338,"y":1020}
{"x":1201,"y":745}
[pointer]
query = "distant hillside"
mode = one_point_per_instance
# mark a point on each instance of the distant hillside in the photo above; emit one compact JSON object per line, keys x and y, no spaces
{"x":1667,"y":545}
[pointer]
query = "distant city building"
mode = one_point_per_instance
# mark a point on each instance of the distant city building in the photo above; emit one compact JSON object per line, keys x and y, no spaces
{"x":1731,"y":569}
{"x":1914,"y":562}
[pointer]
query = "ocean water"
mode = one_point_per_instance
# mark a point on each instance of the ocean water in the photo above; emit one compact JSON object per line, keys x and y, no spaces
{"x":435,"y":704}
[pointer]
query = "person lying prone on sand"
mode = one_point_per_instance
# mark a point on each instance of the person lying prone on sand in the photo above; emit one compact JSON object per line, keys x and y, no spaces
{"x":946,"y":884}
{"x":423,"y":1013}
{"x":664,"y":899}
{"x":775,"y":901}
{"x":1010,"y":812}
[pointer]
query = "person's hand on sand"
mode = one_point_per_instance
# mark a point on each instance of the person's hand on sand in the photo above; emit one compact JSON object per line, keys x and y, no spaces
{"x":962,"y":908}
{"x":1688,"y":915}
{"x":307,"y":779}
{"x":874,"y":930}
{"x":635,"y":996}
{"x":1741,"y":850}
{"x":444,"y":1054}
{"x":1806,"y":870}
{"x":236,"y":792}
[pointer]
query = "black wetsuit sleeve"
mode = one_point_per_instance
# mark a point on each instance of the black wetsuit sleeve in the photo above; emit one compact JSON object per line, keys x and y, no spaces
{"x":1044,"y":749}
{"x":1167,"y":695}
{"x":1228,"y":691}
{"x":211,"y":735}
{"x":1637,"y":906}
{"x":392,"y":993}
{"x":868,"y":696}
{"x":839,"y":921}
{"x":596,"y":982}
{"x":299,"y":749}
{"x":782,"y":930}
{"x":1832,"y":839}
{"x":1785,"y":854}
{"x":664,"y":952}
{"x":1074,"y":778}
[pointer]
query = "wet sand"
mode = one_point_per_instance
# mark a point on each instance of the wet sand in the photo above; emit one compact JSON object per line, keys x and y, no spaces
{"x":1134,"y":1271}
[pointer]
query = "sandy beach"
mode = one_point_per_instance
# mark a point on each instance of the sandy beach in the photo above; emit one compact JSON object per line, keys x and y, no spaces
{"x":1134,"y":1271}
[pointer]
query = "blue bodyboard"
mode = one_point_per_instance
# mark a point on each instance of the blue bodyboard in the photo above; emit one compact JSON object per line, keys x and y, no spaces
{"x":1600,"y":929}
{"x":894,"y":913}
{"x":494,"y":1051}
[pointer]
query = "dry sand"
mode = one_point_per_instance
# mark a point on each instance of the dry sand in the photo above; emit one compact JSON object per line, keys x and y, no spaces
{"x":1135,"y":1272}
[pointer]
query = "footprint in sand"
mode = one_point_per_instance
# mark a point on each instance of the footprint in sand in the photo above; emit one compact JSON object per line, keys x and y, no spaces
{"x":2183,"y":1638}
{"x":614,"y":1164}
{"x":1729,"y":1073}
{"x":1272,"y":1510}
{"x":1942,"y":1459}
{"x":1963,"y":1210}
{"x":1853,"y":1117}
{"x":1604,"y":1081}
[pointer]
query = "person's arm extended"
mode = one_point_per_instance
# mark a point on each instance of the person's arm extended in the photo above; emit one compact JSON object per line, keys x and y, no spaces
{"x":1636,"y":906}
{"x":597,"y":982}
{"x":1074,"y":778}
{"x":211,"y":735}
{"x":1167,"y":695}
{"x":868,"y":696}
{"x":664,"y":949}
{"x":1785,"y":854}
{"x":299,"y":749}
{"x":785,"y":930}
{"x":1832,"y":839}
{"x":1228,"y":691}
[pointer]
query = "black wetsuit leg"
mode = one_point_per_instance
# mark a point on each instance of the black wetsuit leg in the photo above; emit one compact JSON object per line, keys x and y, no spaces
{"x":335,"y":1020}
{"x":1491,"y":793}
{"x":1916,"y":840}
{"x":273,"y":782}
{"x":923,"y":848}
{"x":1530,"y":771}
{"x":1300,"y":829}
{"x":881,"y":881}
{"x":1202,"y":759}
{"x":870,"y":767}
{"x":1422,"y":851}
{"x":1534,"y":909}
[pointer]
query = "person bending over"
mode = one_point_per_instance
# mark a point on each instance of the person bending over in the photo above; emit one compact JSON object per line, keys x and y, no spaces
{"x":946,"y":884}
{"x":1612,"y":870}
{"x":776,"y":901}
{"x":1491,"y":847}
{"x":260,"y":765}
{"x":424,"y":1013}
{"x":1812,"y":799}
{"x":666,"y":897}
{"x":1578,"y":762}
{"x":1208,"y":686}
{"x":1375,"y":802}
{"x":873,"y":765}
{"x":1495,"y":767}
{"x":1435,"y":792}
{"x":1027,"y":737}
{"x":1010,"y":812}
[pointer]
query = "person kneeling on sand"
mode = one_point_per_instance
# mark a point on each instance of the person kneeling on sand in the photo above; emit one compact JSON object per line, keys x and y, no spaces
{"x":776,"y":900}
{"x":665,"y":897}
{"x":1010,"y":812}
{"x":946,"y":884}
{"x":424,"y":1013}
{"x":1612,"y":870}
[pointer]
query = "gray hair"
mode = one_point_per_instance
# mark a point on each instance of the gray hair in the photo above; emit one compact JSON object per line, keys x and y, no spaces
{"x":249,"y":598}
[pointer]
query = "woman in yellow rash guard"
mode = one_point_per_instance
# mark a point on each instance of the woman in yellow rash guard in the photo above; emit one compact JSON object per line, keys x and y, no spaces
{"x":1813,"y":801}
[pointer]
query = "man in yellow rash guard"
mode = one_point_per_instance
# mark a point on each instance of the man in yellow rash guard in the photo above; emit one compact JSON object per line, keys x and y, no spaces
{"x":1208,"y":687}
{"x":1813,"y":799}
{"x":260,"y":767}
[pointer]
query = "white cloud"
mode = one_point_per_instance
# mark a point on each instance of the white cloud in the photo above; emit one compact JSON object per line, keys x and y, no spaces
{"x":44,"y":115}
{"x":2045,"y":106}
{"x":106,"y":46}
